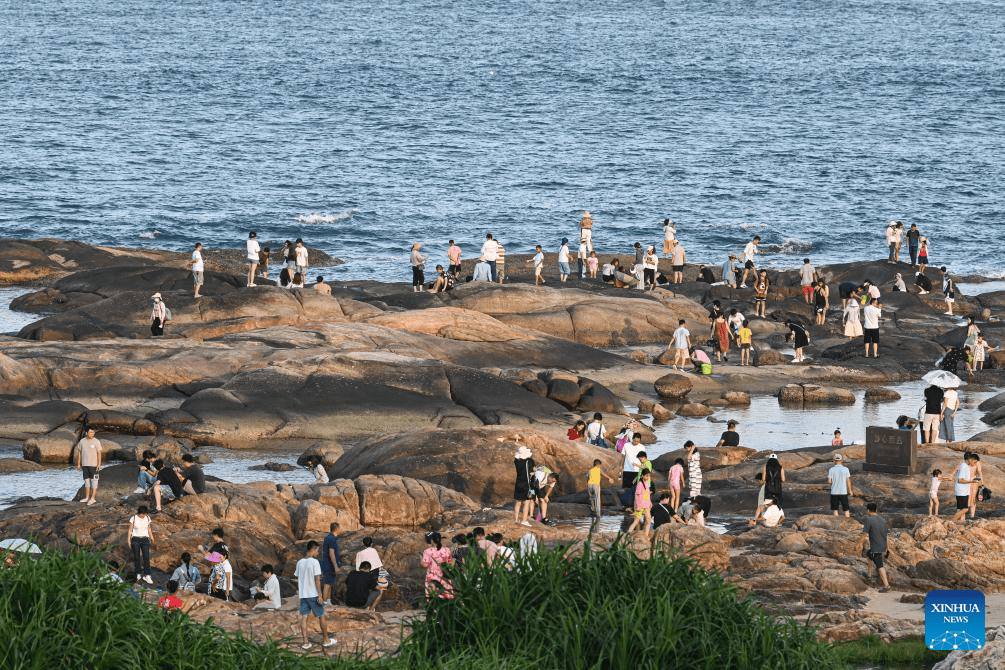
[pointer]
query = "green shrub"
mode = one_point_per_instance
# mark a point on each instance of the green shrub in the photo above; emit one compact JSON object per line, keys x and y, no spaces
{"x":607,"y":610}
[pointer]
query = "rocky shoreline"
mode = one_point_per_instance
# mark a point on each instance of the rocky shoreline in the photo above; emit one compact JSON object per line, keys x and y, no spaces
{"x":415,"y":403}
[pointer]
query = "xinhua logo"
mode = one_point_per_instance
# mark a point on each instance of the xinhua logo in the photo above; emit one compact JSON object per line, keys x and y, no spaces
{"x":954,"y":620}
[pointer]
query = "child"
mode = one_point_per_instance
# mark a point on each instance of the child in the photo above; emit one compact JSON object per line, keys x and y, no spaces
{"x":538,"y":265}
{"x":838,"y":441}
{"x":643,"y":506}
{"x":933,"y":494}
{"x":676,"y":479}
{"x":923,"y":255}
{"x":980,"y":352}
{"x":263,"y":262}
{"x":593,"y":487}
{"x":593,"y":262}
{"x":744,"y":338}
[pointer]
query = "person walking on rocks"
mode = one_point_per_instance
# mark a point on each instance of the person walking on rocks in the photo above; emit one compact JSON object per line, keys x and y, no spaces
{"x":976,"y":477}
{"x":140,"y":538}
{"x":963,"y":477}
{"x":158,"y":315}
{"x":950,"y":405}
{"x":523,"y":493}
{"x":586,"y":229}
{"x":253,"y":250}
{"x":538,"y":265}
{"x":88,"y":459}
{"x":308,"y":574}
{"x":761,"y":286}
{"x":870,"y":332}
{"x":934,"y":403}
{"x":418,"y":262}
{"x":643,"y":505}
{"x":197,"y":269}
{"x":681,"y":344}
{"x":874,"y":532}
{"x":722,"y":337}
{"x":693,"y":468}
{"x":839,"y":479}
{"x":749,"y":252}
{"x":593,"y":487}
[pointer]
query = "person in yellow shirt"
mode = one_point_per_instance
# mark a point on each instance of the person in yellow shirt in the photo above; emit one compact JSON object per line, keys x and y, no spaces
{"x":593,"y":487}
{"x":744,"y":338}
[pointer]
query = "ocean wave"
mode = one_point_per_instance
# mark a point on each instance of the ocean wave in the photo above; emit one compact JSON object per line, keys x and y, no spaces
{"x":150,"y":234}
{"x":323,"y":218}
{"x":790,"y":246}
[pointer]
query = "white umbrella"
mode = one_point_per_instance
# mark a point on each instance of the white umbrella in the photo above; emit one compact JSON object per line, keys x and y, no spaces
{"x":942,"y":379}
{"x":17,"y":544}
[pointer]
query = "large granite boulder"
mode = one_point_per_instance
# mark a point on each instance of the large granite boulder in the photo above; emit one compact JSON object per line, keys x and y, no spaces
{"x":673,"y":386}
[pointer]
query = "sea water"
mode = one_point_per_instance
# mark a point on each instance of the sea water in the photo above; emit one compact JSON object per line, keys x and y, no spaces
{"x":364,"y":127}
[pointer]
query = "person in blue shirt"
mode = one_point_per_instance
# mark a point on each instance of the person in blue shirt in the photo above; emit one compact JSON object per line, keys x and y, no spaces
{"x":331,"y":560}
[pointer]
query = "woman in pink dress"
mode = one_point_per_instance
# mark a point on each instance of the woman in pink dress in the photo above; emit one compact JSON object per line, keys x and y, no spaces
{"x":432,"y":559}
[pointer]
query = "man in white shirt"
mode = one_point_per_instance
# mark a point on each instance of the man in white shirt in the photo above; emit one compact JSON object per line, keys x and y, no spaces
{"x":633,"y":462}
{"x":681,"y":345}
{"x":839,"y":479}
{"x":749,"y":252}
{"x":197,"y":268}
{"x":870,"y":327}
{"x":490,"y":254}
{"x":89,"y":462}
{"x":563,"y":260}
{"x":308,"y":575}
{"x":253,"y":251}
{"x":807,"y":277}
{"x":596,"y":432}
{"x":301,"y":258}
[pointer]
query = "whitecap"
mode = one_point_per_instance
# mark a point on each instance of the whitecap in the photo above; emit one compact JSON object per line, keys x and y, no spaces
{"x":790,"y":246}
{"x":149,"y":235}
{"x":325,"y":217}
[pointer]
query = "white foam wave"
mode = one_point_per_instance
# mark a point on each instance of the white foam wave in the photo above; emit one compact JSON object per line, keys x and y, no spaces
{"x":325,"y":217}
{"x":788,"y":247}
{"x":740,"y":225}
{"x":149,"y":235}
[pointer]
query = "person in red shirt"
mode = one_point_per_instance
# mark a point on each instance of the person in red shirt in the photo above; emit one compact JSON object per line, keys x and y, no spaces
{"x":172,"y":602}
{"x":578,"y":432}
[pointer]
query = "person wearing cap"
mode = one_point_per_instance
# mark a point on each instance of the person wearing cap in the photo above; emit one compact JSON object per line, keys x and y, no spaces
{"x":308,"y":573}
{"x":158,"y":315}
{"x":253,"y":251}
{"x":563,"y":260}
{"x":523,"y":492}
{"x":729,"y":437}
{"x":839,"y":479}
{"x":586,"y":229}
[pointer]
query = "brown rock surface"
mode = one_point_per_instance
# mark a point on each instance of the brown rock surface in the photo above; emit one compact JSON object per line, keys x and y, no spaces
{"x":673,"y":386}
{"x":708,"y":549}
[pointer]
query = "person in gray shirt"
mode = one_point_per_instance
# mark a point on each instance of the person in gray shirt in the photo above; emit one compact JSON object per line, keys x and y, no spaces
{"x":874,"y":531}
{"x":839,"y":479}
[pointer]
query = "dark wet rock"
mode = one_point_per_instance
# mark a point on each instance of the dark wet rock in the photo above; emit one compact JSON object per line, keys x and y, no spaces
{"x":880,"y":394}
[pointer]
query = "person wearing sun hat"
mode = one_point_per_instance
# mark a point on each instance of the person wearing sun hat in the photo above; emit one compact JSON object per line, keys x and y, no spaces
{"x":158,"y":315}
{"x":523,"y":491}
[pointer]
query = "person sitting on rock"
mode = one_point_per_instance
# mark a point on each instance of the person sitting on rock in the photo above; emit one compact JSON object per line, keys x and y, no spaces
{"x":695,"y":510}
{"x":147,"y":475}
{"x":578,"y":431}
{"x":369,"y":555}
{"x":285,"y":278}
{"x":596,"y":432}
{"x":193,"y":479}
{"x":298,"y":280}
{"x":166,"y":476}
{"x":172,"y":602}
{"x":663,"y":511}
{"x":267,"y":595}
{"x":730,"y":437}
{"x":770,"y":514}
{"x":315,"y":467}
{"x":321,"y":288}
{"x":923,"y":283}
{"x":441,"y":283}
{"x":361,"y":587}
{"x":698,"y":358}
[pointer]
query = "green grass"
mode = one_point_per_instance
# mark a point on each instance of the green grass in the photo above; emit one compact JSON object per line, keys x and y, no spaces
{"x":907,"y":654}
{"x":607,"y":610}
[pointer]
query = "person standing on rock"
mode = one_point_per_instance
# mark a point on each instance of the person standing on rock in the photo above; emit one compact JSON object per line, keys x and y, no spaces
{"x":300,"y":256}
{"x":650,"y":263}
{"x":331,"y":559}
{"x":678,"y":259}
{"x":675,"y":478}
{"x":523,"y":493}
{"x":821,"y":301}
{"x":874,"y":532}
{"x":745,"y":339}
{"x":88,"y":459}
{"x":432,"y":559}
{"x":563,"y":260}
{"x":773,"y":475}
{"x":490,"y":254}
{"x":934,"y":403}
{"x":158,"y":315}
{"x":586,"y":229}
{"x":140,"y":538}
{"x":870,"y":332}
{"x":197,"y":268}
{"x":418,"y":262}
{"x":308,"y":574}
{"x":253,"y":250}
{"x":948,"y":290}
{"x":761,"y":286}
{"x":950,"y":405}
{"x":913,"y":240}
{"x":807,"y":279}
{"x":839,"y":479}
{"x":454,"y":259}
{"x":722,"y":337}
{"x":852,"y":321}
{"x":800,"y":340}
{"x":693,"y":469}
{"x":669,"y":237}
{"x":729,"y":271}
{"x":593,"y":487}
{"x":633,"y":462}
{"x":681,"y":344}
{"x":893,"y":231}
{"x":643,"y":505}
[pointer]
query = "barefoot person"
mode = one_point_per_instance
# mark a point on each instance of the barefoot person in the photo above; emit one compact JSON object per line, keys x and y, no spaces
{"x":308,"y":574}
{"x":88,"y":459}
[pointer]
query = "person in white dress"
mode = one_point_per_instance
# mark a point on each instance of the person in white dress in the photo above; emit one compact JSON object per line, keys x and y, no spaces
{"x":852,"y":320}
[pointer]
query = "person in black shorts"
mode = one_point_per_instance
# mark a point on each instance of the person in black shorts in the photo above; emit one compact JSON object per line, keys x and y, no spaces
{"x":874,"y":532}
